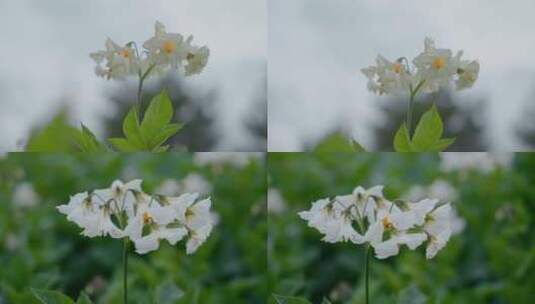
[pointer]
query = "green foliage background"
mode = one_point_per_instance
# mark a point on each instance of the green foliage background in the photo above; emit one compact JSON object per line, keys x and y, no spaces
{"x":51,"y":253}
{"x":491,"y":261}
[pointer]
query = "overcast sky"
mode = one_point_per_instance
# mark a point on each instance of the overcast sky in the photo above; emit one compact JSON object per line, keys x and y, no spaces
{"x":45,"y":46}
{"x":317,"y":47}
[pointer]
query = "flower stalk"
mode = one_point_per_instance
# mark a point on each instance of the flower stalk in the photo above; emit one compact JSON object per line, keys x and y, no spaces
{"x":142,"y":77}
{"x":367,"y":273}
{"x":410,"y":105}
{"x":125,"y":270}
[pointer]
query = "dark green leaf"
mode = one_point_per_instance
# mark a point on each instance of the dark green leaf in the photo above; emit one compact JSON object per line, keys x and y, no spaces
{"x":428,"y":131}
{"x":290,"y":300}
{"x":402,"y":142}
{"x":325,"y":301}
{"x":51,"y":296}
{"x":84,"y":299}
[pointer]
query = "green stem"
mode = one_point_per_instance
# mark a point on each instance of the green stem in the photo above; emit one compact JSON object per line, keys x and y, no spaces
{"x":409,"y":114}
{"x":412,"y":97}
{"x":367,"y":273}
{"x":125,"y":272}
{"x":140,"y":87}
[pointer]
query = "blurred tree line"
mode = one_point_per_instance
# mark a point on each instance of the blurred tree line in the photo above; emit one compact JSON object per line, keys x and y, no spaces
{"x":195,"y":110}
{"x":464,"y":121}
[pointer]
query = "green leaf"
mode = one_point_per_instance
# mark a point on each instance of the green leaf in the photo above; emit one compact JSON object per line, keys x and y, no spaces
{"x":290,"y":300}
{"x":168,"y":293}
{"x":86,"y":141}
{"x":51,"y":296}
{"x":411,"y":295}
{"x":161,"y":149}
{"x":84,"y":299}
{"x":166,"y":132}
{"x":122,"y":145}
{"x":55,"y":136}
{"x":442,"y":144}
{"x":402,"y":142}
{"x":132,"y":131}
{"x":428,"y":131}
{"x":335,"y":142}
{"x":155,"y":119}
{"x":325,"y":301}
{"x":357,"y":147}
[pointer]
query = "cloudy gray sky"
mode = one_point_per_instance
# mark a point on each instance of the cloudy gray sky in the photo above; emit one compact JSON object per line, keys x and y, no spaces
{"x":44,"y":60}
{"x":317,"y":47}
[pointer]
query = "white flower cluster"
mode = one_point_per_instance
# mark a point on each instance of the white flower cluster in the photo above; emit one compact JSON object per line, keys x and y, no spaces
{"x":383,"y":224}
{"x":124,"y":210}
{"x":161,"y":52}
{"x":433,"y":68}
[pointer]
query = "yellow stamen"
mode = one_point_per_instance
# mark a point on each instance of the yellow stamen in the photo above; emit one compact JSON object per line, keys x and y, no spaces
{"x":125,"y":54}
{"x":387,"y":224}
{"x":189,"y":214}
{"x":438,"y":63}
{"x":190,"y":56}
{"x":396,"y":67}
{"x":168,"y":47}
{"x":147,"y":219}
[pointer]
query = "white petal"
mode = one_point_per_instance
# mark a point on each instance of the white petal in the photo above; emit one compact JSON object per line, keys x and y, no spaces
{"x":197,"y":238}
{"x":162,"y":215}
{"x":374,"y":234}
{"x":412,"y":240}
{"x":146,"y":244}
{"x":386,"y":249}
{"x":173,"y":235}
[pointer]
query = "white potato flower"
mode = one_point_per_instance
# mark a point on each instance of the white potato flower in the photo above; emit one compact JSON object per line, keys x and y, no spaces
{"x":159,"y":53}
{"x":438,"y":228}
{"x":91,"y":214}
{"x":196,"y":58}
{"x":367,"y":217}
{"x":321,"y":213}
{"x":124,"y":211}
{"x":467,"y":73}
{"x":196,"y":237}
{"x":388,"y":77}
{"x":436,"y":66}
{"x":166,"y":48}
{"x":431,"y":70}
{"x":116,"y":62}
{"x":24,"y":195}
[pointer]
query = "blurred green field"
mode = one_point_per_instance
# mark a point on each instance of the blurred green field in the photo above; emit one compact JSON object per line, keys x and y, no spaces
{"x":492,"y":260}
{"x":40,"y":248}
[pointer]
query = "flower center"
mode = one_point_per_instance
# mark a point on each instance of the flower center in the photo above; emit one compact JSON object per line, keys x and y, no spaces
{"x":190,"y":56}
{"x":168,"y":47}
{"x":396,"y":67}
{"x":125,"y":53}
{"x":438,"y":63}
{"x":387,"y":224}
{"x":147,"y":219}
{"x":189,"y":214}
